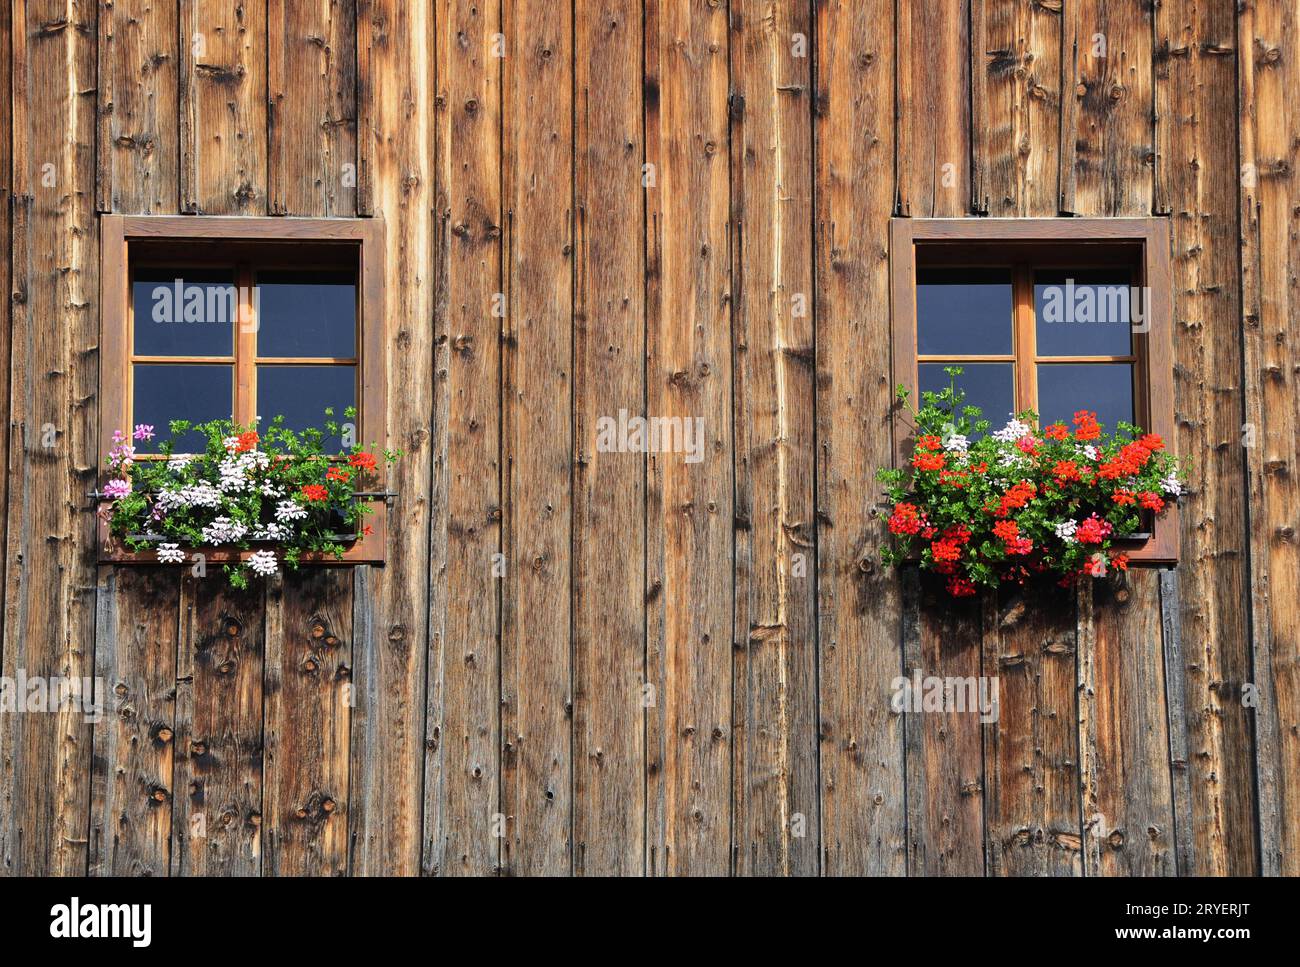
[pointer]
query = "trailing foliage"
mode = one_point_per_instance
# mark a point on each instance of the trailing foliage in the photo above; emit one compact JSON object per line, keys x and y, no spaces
{"x":1018,"y":502}
{"x":276,"y":490}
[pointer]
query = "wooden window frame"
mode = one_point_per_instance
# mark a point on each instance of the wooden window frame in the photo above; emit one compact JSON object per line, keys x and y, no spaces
{"x":1140,"y":242}
{"x":262,"y":240}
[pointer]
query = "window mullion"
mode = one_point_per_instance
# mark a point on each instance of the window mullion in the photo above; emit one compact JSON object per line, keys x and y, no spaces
{"x":245,"y":347}
{"x":1026,"y":340}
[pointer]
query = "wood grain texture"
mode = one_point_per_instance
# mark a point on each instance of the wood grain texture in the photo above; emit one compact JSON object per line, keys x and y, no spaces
{"x":462,"y":821}
{"x":311,"y":114}
{"x":1269,"y":133}
{"x":1016,"y":106}
{"x":136,"y":631}
{"x":53,"y":394}
{"x":217,"y":806}
{"x":1200,"y":169}
{"x":389,"y":735}
{"x":858,"y":604}
{"x":933,"y":108}
{"x":223,"y":107}
{"x":608,"y":488}
{"x":138,"y":119}
{"x":776,"y":815}
{"x":536,"y":417}
{"x":307,"y":717}
{"x":690,"y":520}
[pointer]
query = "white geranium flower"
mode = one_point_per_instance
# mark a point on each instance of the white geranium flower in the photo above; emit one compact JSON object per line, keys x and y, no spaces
{"x":956,"y":443}
{"x":287,"y":510}
{"x":263,"y":563}
{"x":179,"y":463}
{"x":1091,"y":452}
{"x":1172,"y":485}
{"x":1065,"y":530}
{"x":1012,"y":432}
{"x":170,"y":554}
{"x":223,"y":529}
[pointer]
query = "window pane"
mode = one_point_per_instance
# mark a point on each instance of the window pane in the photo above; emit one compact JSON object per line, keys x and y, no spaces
{"x":1066,"y":388}
{"x":990,"y":386}
{"x":184,"y":312}
{"x":301,"y":393}
{"x":1085,"y":312}
{"x":164,"y":392}
{"x":963,"y":312}
{"x":307,"y":314}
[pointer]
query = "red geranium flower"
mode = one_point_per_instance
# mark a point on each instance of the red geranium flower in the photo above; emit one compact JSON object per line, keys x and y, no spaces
{"x":341,"y":474}
{"x":1086,"y":426}
{"x":927,"y":461}
{"x":960,"y":587}
{"x":929,"y":442}
{"x":363,"y":461}
{"x":247,"y":441}
{"x":1057,"y":431}
{"x":315,"y":492}
{"x":904,"y":520}
{"x":1151,"y":501}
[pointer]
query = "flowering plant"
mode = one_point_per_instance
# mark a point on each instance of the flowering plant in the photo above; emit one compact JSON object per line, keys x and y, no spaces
{"x":1018,"y":502}
{"x":277,"y":488}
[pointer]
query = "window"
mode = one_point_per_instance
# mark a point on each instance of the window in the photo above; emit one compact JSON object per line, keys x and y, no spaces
{"x":249,"y":318}
{"x":1050,"y":315}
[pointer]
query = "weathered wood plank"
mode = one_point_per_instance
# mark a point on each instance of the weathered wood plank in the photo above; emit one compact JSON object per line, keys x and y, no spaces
{"x":462,"y":827}
{"x":1197,"y":134}
{"x":1176,"y":718}
{"x":1107,"y":137}
{"x":689,"y":378}
{"x":537,"y":346}
{"x":1016,"y":106}
{"x":776,"y":810}
{"x":945,"y":750}
{"x":934,"y":97}
{"x":1269,"y":132}
{"x":1031,"y":757}
{"x":1128,"y":813}
{"x":136,"y":632}
{"x":53,"y":397}
{"x":312,"y":132}
{"x":138,"y":120}
{"x":307,"y":718}
{"x":217,"y":804}
{"x":387,"y":770}
{"x":608,"y":488}
{"x":223,"y":107}
{"x":861,"y":754}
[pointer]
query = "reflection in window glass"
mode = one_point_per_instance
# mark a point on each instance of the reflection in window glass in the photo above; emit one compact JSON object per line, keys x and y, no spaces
{"x":963,"y":312}
{"x":301,"y":393}
{"x":163,"y":392}
{"x":1085,"y":312}
{"x":307,"y":314}
{"x":990,"y":386}
{"x":184,"y":312}
{"x":1066,"y":388}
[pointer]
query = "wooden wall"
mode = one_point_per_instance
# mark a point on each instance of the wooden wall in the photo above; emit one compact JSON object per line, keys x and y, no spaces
{"x":593,"y":663}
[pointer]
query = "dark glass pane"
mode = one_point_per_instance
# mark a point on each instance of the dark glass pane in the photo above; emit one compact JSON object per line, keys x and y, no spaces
{"x":1066,"y":388}
{"x":301,"y":393}
{"x":307,"y":314}
{"x":164,"y":392}
{"x":963,"y":312}
{"x":1085,"y":312}
{"x":184,"y":312}
{"x":990,"y":386}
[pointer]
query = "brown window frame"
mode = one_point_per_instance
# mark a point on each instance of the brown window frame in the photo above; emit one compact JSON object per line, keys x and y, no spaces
{"x":249,"y":244}
{"x":1024,"y":244}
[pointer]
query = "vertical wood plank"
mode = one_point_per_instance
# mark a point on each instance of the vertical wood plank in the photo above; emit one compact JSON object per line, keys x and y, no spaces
{"x":689,"y":378}
{"x":136,"y":632}
{"x":312,"y":132}
{"x":223,"y":107}
{"x":1269,"y":131}
{"x":1176,"y":717}
{"x":217,"y":811}
{"x":861,"y":751}
{"x":307,"y":718}
{"x":933,"y":109}
{"x":609,"y":488}
{"x":1031,"y":770}
{"x":1016,"y":106}
{"x":138,"y":121}
{"x":1107,"y":137}
{"x":462,"y":797}
{"x":388,"y":741}
{"x":1128,"y":814}
{"x":775,"y":677}
{"x":1197,"y":132}
{"x":53,"y":397}
{"x":537,"y":347}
